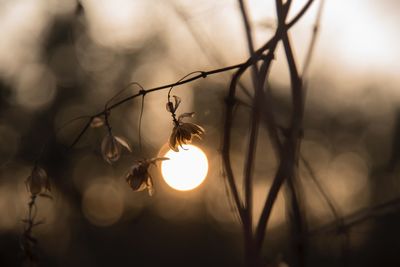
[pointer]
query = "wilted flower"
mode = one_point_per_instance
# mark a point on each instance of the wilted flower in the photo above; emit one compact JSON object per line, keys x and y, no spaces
{"x":139,"y":178}
{"x":111,"y":147}
{"x":183,"y":132}
{"x":38,"y":182}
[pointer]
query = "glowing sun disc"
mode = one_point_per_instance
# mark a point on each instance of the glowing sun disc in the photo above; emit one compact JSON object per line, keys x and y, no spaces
{"x":186,"y":169}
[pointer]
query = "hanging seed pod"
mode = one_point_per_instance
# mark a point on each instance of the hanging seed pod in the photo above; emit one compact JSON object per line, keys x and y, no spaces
{"x":111,"y":147}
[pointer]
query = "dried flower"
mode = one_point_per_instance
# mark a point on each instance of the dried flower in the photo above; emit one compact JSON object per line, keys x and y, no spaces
{"x":139,"y":178}
{"x":111,"y":147}
{"x":184,"y":132}
{"x":38,"y":182}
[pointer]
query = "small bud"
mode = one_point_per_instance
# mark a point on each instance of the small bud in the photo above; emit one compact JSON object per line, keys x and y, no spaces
{"x":38,"y":182}
{"x":96,"y":122}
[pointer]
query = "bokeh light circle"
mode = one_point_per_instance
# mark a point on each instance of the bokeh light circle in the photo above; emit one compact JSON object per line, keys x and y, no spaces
{"x":185,"y":170}
{"x":102,"y":204}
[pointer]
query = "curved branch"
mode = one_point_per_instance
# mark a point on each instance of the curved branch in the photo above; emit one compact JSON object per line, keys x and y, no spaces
{"x":300,"y":14}
{"x":313,"y":40}
{"x":360,"y":216}
{"x":203,"y":74}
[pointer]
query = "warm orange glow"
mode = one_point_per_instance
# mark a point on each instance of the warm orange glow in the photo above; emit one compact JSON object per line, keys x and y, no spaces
{"x":186,"y":169}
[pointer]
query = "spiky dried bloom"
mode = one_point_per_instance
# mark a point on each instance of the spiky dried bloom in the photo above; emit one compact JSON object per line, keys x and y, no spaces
{"x":183,"y":132}
{"x":139,"y":177}
{"x":38,"y":182}
{"x":111,"y":147}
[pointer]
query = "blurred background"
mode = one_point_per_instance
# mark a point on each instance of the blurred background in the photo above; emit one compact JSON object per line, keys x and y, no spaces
{"x":63,"y":59}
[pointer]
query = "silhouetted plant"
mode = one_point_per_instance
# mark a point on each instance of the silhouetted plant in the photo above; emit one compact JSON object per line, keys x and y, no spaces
{"x":286,"y":139}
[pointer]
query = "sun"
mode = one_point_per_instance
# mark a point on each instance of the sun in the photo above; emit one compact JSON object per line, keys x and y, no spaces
{"x":185,"y":170}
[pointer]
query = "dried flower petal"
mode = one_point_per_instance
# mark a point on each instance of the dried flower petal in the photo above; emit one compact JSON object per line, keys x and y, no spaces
{"x":177,"y":102}
{"x":123,"y":142}
{"x":185,"y":115}
{"x":154,"y":160}
{"x":149,"y":184}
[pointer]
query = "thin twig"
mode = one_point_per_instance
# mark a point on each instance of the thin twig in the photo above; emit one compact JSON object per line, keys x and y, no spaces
{"x":290,"y":148}
{"x":140,"y":123}
{"x":28,"y":242}
{"x":313,"y":40}
{"x":360,"y":216}
{"x":300,"y":225}
{"x":206,"y":47}
{"x":230,"y":102}
{"x":295,"y":131}
{"x":250,"y":157}
{"x":325,"y":196}
{"x":300,"y":14}
{"x":247,"y":26}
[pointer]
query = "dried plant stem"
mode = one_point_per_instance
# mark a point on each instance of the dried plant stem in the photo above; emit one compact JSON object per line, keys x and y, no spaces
{"x":28,"y":242}
{"x":250,"y":157}
{"x":335,"y":212}
{"x":140,"y":123}
{"x":206,"y":47}
{"x":297,"y":97}
{"x":360,"y":216}
{"x":325,"y":196}
{"x":287,"y":152}
{"x":290,"y":148}
{"x":300,"y":225}
{"x":313,"y":40}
